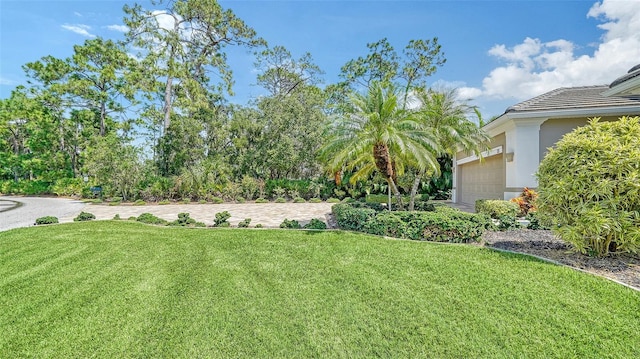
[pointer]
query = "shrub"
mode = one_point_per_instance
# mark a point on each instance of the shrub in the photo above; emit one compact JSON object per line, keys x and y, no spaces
{"x":589,"y":187}
{"x":535,"y":222}
{"x":299,"y":200}
{"x":240,"y":199}
{"x":139,"y":203}
{"x":164,"y":201}
{"x":68,"y":187}
{"x":150,"y":219}
{"x":290,"y":224}
{"x":351,"y":218}
{"x":183,"y":220}
{"x":526,"y":201}
{"x":217,"y":200}
{"x":116,"y":217}
{"x":445,"y":224}
{"x":333,"y":200}
{"x":506,"y":223}
{"x":496,"y":208}
{"x":262,"y":200}
{"x":259,"y":225}
{"x":202,"y":201}
{"x":222,"y":219}
{"x":132,"y":218}
{"x":315,"y":200}
{"x":199,"y":224}
{"x":46,"y":220}
{"x":186,"y":200}
{"x":244,"y":223}
{"x":84,"y":216}
{"x":280,"y":200}
{"x":315,"y":223}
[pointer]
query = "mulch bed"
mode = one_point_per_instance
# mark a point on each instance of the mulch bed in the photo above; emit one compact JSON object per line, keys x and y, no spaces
{"x":542,"y":243}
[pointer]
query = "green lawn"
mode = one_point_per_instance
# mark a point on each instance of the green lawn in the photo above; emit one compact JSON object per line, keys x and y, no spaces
{"x":121,"y":289}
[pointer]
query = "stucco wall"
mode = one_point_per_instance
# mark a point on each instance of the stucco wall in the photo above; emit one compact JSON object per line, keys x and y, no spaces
{"x":552,"y":130}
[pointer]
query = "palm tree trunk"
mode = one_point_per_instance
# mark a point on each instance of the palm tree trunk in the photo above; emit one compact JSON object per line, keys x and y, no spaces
{"x":396,"y":193}
{"x":414,"y":190}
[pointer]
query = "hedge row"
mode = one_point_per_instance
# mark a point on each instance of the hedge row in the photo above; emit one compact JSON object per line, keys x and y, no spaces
{"x":444,"y":224}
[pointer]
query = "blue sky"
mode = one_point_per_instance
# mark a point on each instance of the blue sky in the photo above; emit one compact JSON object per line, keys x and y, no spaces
{"x":498,"y":52}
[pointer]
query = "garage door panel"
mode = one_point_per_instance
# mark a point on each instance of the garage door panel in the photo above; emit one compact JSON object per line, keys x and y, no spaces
{"x":482,"y":180}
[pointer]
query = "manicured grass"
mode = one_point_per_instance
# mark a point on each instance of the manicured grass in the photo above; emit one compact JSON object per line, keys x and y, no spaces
{"x":120,"y":289}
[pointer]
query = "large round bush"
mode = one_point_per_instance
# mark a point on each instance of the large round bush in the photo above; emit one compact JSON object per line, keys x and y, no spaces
{"x":590,"y":185}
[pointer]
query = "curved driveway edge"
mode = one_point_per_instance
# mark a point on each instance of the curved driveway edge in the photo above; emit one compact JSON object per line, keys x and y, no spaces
{"x":35,"y":207}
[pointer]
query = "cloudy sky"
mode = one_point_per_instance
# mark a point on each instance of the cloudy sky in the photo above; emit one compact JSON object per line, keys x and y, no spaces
{"x":498,"y":52}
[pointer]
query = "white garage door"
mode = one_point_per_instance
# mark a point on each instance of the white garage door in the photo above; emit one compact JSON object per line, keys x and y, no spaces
{"x":482,"y":180}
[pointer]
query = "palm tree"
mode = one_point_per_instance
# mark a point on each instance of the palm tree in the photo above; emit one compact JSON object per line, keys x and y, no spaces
{"x":442,"y":113}
{"x":377,"y":134}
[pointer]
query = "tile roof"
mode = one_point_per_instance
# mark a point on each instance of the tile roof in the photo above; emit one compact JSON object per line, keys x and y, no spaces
{"x":567,"y":98}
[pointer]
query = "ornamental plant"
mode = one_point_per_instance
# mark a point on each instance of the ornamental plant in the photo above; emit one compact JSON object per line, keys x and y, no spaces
{"x":589,"y":186}
{"x":526,"y":201}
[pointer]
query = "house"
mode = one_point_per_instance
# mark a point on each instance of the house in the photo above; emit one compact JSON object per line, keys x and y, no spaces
{"x":522,"y":135}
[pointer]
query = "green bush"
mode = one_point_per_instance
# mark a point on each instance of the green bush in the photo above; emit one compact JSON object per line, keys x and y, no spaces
{"x":445,"y":224}
{"x":139,"y":203}
{"x":315,"y":200}
{"x":506,"y":223}
{"x":244,"y":223}
{"x":68,"y":187}
{"x":535,"y":222}
{"x":84,"y":216}
{"x":290,"y":224}
{"x":281,"y":200}
{"x":46,"y":220}
{"x":116,"y":217}
{"x":299,"y":200}
{"x":222,"y":219}
{"x":351,"y":218}
{"x":496,"y":208}
{"x":184,"y":220}
{"x":217,"y":200}
{"x":164,"y":201}
{"x":259,"y":225}
{"x":151,"y":219}
{"x":262,"y":200}
{"x":333,"y":200}
{"x":202,"y":201}
{"x":240,"y":199}
{"x":315,"y":223}
{"x":589,"y":186}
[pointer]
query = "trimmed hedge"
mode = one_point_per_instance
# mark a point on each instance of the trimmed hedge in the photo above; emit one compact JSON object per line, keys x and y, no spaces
{"x":442,"y":225}
{"x":46,"y":220}
{"x":496,"y":208}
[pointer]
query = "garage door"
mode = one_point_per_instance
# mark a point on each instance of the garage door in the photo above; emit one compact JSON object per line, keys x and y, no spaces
{"x":482,"y":180}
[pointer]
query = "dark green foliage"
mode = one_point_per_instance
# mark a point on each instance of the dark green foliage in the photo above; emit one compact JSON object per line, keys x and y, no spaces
{"x":496,"y":208}
{"x":535,"y":222}
{"x":184,"y":220}
{"x":151,"y":219}
{"x":588,"y":186}
{"x":290,"y":224}
{"x":222,"y":219}
{"x":262,"y":200}
{"x":217,"y":200}
{"x":442,"y":225}
{"x":244,"y":223}
{"x":299,"y":200}
{"x":315,"y":223}
{"x":46,"y":220}
{"x":351,"y":218}
{"x":116,"y":217}
{"x":506,"y":223}
{"x":84,"y":216}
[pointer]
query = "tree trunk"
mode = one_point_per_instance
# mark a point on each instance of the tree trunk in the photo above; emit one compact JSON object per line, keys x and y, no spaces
{"x":414,"y":190}
{"x":167,"y":104}
{"x":396,"y":192}
{"x":103,"y":115}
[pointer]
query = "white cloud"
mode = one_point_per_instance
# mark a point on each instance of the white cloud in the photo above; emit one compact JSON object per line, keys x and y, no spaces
{"x":119,"y":28}
{"x":79,"y":29}
{"x":534,"y":67}
{"x":77,"y":14}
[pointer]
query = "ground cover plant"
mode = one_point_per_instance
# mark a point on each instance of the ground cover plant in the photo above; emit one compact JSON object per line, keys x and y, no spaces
{"x":124,"y":289}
